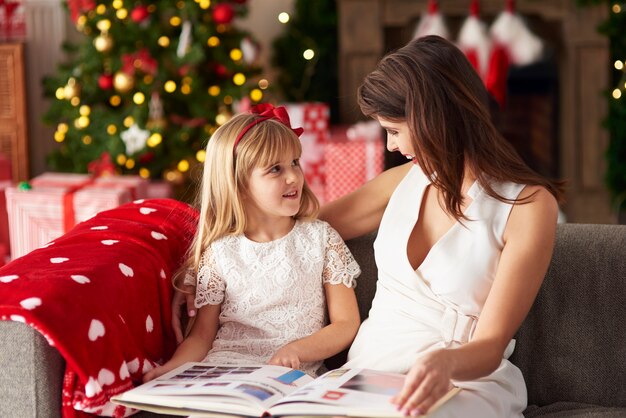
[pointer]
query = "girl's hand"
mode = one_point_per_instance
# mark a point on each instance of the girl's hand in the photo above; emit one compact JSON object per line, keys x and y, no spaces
{"x":179,"y":300}
{"x":427,"y":381}
{"x":286,"y":356}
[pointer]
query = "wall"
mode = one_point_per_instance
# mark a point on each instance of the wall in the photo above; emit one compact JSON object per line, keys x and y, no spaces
{"x":48,"y":26}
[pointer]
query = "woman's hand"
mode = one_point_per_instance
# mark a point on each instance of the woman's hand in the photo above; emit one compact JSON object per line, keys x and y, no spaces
{"x":286,"y":356}
{"x":427,"y":381}
{"x":178,"y":300}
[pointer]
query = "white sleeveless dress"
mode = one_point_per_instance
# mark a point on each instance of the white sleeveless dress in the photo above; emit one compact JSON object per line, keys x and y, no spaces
{"x":437,"y":305}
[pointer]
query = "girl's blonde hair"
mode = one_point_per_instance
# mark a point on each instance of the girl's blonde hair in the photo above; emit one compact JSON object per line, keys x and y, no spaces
{"x":226,"y":176}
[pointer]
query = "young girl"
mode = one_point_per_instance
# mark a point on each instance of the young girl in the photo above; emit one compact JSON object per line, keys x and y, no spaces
{"x":269,"y":275}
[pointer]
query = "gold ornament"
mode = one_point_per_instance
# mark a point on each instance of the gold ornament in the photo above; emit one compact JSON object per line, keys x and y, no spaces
{"x":72,"y":89}
{"x":123,"y":82}
{"x":103,"y":42}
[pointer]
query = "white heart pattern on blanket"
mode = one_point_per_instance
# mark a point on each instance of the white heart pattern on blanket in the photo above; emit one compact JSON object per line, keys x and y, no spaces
{"x":17,"y":318}
{"x":139,"y":201}
{"x":106,"y":377}
{"x":146,"y":211}
{"x":92,"y":387}
{"x":157,"y":235}
{"x":11,"y":277}
{"x":96,"y":330}
{"x":149,"y":324}
{"x":124,"y":373}
{"x":133,"y":365}
{"x":163,"y":275}
{"x":58,"y":260}
{"x":78,"y":278}
{"x":126,"y":271}
{"x":99,"y":228}
{"x":109,"y":241}
{"x":30,"y":303}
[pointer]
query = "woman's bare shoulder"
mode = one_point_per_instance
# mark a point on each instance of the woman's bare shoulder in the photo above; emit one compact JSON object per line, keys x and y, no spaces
{"x":536,"y":211}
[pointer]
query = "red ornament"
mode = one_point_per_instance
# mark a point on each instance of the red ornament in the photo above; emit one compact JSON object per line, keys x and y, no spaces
{"x":77,"y":7}
{"x":146,"y":157}
{"x":183,"y":70}
{"x":102,"y":167}
{"x":139,"y":14}
{"x":223,"y":13}
{"x":105,"y":81}
{"x":221,"y":70}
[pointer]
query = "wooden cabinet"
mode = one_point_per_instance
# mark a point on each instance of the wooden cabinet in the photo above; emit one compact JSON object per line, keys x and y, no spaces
{"x":13,"y":118}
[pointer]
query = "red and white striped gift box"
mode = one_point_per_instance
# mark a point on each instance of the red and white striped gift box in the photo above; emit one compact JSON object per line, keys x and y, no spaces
{"x":314,"y":118}
{"x":350,"y":163}
{"x":58,"y":201}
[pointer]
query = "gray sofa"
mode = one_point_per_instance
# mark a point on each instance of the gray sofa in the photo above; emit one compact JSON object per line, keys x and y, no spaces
{"x":571,"y":348}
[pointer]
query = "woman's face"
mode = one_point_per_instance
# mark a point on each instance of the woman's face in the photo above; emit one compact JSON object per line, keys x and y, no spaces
{"x":398,"y":137}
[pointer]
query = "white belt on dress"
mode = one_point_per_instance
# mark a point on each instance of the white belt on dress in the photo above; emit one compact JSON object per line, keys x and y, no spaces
{"x":456,"y":326}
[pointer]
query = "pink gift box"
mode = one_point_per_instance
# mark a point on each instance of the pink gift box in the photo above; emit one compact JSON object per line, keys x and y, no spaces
{"x":57,"y":201}
{"x":350,"y":163}
{"x":136,"y":186}
{"x":314,"y":118}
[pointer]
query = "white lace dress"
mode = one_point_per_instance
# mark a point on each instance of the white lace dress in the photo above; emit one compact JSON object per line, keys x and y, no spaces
{"x":271,"y":293}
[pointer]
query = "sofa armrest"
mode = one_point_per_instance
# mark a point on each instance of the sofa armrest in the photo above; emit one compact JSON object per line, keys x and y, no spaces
{"x":572,"y":345}
{"x":31,"y":373}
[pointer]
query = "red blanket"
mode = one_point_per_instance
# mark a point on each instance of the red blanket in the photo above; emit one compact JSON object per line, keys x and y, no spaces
{"x":100,"y":295}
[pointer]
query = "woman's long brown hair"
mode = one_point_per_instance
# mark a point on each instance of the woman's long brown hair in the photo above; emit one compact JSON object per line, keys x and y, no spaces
{"x":430,"y":84}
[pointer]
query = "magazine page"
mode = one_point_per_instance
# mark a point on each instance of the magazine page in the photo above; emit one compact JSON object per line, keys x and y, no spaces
{"x":350,"y":392}
{"x":221,"y":388}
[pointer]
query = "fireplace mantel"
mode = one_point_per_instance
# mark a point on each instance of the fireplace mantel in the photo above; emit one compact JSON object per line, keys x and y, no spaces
{"x":583,"y":59}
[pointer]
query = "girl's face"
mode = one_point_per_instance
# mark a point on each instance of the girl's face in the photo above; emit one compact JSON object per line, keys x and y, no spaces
{"x":275,"y":191}
{"x":398,"y":137}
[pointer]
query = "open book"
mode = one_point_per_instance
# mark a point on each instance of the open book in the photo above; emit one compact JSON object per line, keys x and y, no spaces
{"x":201,"y":389}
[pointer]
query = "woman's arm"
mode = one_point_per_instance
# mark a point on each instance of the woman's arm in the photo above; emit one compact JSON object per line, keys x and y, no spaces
{"x":196,"y":346}
{"x":529,"y":240}
{"x":330,"y":340}
{"x":360,"y":212}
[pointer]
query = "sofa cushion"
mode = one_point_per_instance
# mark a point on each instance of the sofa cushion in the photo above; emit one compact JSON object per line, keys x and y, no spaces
{"x":572,"y":345}
{"x":573,"y":410}
{"x":101,"y":294}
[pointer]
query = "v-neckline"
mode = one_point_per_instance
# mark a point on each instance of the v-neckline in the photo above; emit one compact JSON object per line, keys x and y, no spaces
{"x":473,"y":192}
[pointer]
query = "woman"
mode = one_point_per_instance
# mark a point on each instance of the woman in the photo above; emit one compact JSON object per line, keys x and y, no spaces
{"x":465,"y":236}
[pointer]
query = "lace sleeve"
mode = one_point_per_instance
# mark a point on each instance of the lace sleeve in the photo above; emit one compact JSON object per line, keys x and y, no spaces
{"x":340,"y":267}
{"x":210,"y":286}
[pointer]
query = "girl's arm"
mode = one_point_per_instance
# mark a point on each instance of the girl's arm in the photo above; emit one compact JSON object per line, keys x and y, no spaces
{"x":330,"y":340}
{"x":360,"y":212}
{"x":529,"y":240}
{"x":196,"y":346}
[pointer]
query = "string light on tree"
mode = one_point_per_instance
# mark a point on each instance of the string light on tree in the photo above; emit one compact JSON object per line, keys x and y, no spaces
{"x":283,"y":17}
{"x":308,"y":54}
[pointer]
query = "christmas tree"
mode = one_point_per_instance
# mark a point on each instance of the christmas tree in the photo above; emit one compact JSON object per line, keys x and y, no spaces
{"x":149,"y":84}
{"x":615,"y":29}
{"x":306,"y":54}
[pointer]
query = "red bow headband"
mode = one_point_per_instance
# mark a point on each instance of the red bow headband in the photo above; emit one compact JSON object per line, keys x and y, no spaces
{"x":267,"y":111}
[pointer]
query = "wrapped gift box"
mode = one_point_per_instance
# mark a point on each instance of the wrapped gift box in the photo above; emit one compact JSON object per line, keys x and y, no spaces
{"x":351,"y":162}
{"x":57,"y":201}
{"x":12,"y":20}
{"x":314,"y":118}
